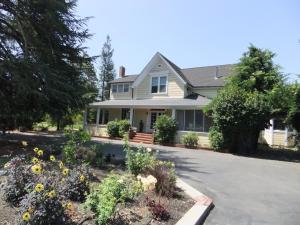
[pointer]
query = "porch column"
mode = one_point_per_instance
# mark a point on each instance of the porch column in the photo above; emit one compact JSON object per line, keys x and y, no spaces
{"x":286,"y":136}
{"x":272,"y":132}
{"x":131,"y":116}
{"x":97,"y":116}
{"x":103,"y":115}
{"x":173,"y":113}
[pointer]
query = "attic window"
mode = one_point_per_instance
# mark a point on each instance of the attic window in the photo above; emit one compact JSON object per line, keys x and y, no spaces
{"x":159,"y":84}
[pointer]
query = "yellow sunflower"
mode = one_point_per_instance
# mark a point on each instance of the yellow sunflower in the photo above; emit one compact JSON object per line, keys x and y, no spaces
{"x":26,"y":216}
{"x":82,"y":178}
{"x":65,"y":171}
{"x":52,"y":158}
{"x":40,"y":152}
{"x":39,"y":187}
{"x":51,"y":194}
{"x":35,"y":160}
{"x":36,"y":149}
{"x":69,"y":205}
{"x":37,"y":169}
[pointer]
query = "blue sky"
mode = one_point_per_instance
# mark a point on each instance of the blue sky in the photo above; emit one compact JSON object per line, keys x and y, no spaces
{"x":194,"y":33}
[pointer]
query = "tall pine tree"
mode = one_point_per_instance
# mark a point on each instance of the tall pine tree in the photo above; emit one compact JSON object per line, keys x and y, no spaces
{"x":43,"y":65}
{"x":107,"y":71}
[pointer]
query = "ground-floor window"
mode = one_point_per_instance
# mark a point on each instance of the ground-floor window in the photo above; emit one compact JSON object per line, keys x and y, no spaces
{"x":193,"y":120}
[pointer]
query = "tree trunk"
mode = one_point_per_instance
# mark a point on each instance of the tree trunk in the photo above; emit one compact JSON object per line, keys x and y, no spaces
{"x":247,"y":142}
{"x":58,"y":125}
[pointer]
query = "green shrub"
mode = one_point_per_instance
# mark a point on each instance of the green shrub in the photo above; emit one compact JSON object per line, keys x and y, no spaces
{"x":138,"y":160}
{"x":18,"y":176}
{"x":113,"y":189}
{"x":124,"y":126}
{"x":75,"y":140}
{"x":165,"y":129}
{"x":216,"y":139}
{"x":165,"y":174}
{"x":190,"y":140}
{"x":113,"y":128}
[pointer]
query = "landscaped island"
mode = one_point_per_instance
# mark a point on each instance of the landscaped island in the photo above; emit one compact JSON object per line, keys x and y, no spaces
{"x":79,"y":185}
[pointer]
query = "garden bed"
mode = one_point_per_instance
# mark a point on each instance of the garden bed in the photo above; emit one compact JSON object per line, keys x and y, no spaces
{"x":141,"y":207}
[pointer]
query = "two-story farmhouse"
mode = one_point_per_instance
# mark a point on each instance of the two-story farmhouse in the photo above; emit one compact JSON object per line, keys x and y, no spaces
{"x":161,"y":88}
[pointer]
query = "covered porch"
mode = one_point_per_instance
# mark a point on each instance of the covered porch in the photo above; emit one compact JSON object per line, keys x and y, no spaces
{"x":143,"y":113}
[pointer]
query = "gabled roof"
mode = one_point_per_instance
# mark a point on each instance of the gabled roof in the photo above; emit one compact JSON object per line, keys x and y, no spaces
{"x":208,"y":76}
{"x":198,"y":77}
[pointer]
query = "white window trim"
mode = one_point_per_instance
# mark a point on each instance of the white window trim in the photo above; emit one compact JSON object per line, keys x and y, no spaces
{"x":194,"y":123}
{"x":117,"y":91}
{"x":159,"y":75}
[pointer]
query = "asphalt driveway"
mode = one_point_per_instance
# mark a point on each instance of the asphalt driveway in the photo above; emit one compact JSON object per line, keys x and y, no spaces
{"x":245,"y":191}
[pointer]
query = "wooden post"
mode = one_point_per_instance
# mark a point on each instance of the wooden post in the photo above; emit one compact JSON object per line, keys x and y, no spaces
{"x":131,"y":116}
{"x":98,"y":116}
{"x":173,"y":113}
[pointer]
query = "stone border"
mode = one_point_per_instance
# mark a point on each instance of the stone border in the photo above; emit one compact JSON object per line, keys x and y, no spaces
{"x":199,"y":210}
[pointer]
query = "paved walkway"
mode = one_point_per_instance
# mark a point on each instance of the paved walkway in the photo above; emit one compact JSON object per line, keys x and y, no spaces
{"x":246,"y":191}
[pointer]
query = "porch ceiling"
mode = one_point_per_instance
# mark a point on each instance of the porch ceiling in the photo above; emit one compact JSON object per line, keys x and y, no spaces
{"x":166,"y":103}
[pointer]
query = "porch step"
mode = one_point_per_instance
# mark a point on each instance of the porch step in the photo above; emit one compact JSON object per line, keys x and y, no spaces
{"x":142,"y":138}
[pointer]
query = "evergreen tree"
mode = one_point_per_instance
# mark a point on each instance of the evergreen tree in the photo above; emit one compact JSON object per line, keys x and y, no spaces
{"x":107,"y":71}
{"x":42,"y":61}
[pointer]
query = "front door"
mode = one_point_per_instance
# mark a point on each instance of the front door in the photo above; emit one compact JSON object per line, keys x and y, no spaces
{"x":153,"y":117}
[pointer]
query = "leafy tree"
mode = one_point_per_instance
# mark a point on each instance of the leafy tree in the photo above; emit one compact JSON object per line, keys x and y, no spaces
{"x":247,"y":103}
{"x":43,"y":65}
{"x":107,"y":71}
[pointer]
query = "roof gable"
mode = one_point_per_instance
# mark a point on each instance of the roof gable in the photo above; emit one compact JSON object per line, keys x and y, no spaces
{"x":154,"y":60}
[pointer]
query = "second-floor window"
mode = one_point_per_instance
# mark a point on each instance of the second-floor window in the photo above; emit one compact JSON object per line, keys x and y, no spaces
{"x":159,"y":84}
{"x":120,"y":88}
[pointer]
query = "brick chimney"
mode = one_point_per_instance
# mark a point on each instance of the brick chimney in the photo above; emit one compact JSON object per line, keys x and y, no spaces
{"x":122,"y":71}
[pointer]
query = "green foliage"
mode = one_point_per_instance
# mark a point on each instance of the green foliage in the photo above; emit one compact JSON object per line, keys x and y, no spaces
{"x":75,"y":140}
{"x":44,"y":67}
{"x":190,"y":140}
{"x":124,"y":126}
{"x":216,"y":139}
{"x":246,"y":104}
{"x":165,"y":174}
{"x":113,"y":128}
{"x":113,"y":189}
{"x":138,"y":160}
{"x":18,"y":176}
{"x":118,"y":128}
{"x":165,"y":129}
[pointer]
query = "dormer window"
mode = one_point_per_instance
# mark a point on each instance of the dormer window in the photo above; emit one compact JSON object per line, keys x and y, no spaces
{"x":120,"y":88}
{"x":159,"y":84}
